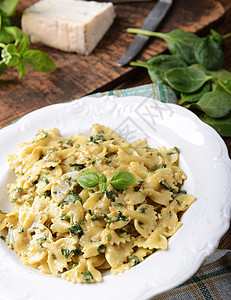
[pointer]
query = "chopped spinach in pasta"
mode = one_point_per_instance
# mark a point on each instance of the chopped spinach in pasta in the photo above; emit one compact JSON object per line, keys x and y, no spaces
{"x":85,"y":204}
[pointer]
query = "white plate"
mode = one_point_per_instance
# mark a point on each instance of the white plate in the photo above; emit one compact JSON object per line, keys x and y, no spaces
{"x":203,"y":156}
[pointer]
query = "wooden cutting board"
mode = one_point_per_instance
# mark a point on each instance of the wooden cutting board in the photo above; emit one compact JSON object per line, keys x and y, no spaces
{"x":79,"y":75}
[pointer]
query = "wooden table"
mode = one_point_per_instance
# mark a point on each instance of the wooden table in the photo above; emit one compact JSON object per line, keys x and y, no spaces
{"x":18,"y":109}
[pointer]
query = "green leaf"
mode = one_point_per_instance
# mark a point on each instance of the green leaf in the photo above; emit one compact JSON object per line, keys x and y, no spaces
{"x":2,"y":68}
{"x":186,"y":80}
{"x":223,"y":85}
{"x":103,"y":178}
{"x":19,"y":37}
{"x":209,"y":53}
{"x":122,"y":179}
{"x":5,"y":37}
{"x":180,"y":43}
{"x":10,"y":56}
{"x":215,"y":104}
{"x":158,"y":64}
{"x":103,"y":183}
{"x":39,"y":61}
{"x":162,"y":62}
{"x":8,"y":6}
{"x":102,"y":186}
{"x":89,"y":180}
{"x":195,"y":96}
{"x":222,"y":126}
{"x":217,"y":37}
{"x":21,"y":66}
{"x":221,"y":74}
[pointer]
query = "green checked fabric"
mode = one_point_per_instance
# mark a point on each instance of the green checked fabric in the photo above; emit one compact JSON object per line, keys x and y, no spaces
{"x":212,"y":281}
{"x":159,"y":92}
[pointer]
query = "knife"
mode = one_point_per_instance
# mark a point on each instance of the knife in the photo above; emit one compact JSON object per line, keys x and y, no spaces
{"x":153,"y":19}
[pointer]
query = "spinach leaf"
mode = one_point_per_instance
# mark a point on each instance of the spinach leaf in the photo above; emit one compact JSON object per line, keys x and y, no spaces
{"x":180,"y":43}
{"x":223,"y":85}
{"x":186,"y":80}
{"x":122,"y":179}
{"x":220,"y":74}
{"x":195,"y":96}
{"x":209,"y":53}
{"x":39,"y":61}
{"x":89,"y":180}
{"x":217,"y":37}
{"x":158,"y":64}
{"x":222,"y":126}
{"x":215,"y":104}
{"x":162,"y":62}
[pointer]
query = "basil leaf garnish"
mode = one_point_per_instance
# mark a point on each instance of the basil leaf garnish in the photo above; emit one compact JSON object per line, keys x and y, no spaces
{"x":102,"y":186}
{"x":89,"y":180}
{"x":103,"y":178}
{"x":122,"y":179}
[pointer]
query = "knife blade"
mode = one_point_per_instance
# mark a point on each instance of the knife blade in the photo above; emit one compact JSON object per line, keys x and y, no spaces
{"x":153,"y":19}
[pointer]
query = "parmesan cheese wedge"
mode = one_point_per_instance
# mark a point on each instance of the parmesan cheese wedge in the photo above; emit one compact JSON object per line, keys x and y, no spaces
{"x":68,"y":25}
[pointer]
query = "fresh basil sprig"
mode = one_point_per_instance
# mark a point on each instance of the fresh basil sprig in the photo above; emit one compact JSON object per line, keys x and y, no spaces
{"x":8,"y":7}
{"x":193,"y":71}
{"x":15,"y":45}
{"x":119,"y":180}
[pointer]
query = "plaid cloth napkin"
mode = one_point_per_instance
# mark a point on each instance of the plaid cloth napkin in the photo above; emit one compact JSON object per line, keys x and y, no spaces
{"x":213,"y":279}
{"x":159,"y":92}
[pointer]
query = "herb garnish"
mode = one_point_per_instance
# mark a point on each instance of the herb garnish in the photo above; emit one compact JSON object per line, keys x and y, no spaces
{"x":138,"y":185}
{"x":120,"y":217}
{"x":66,"y":252}
{"x":119,"y":180}
{"x":111,"y":195}
{"x":101,"y":248}
{"x":76,"y":229}
{"x":87,"y":276}
{"x":71,"y":197}
{"x":165,"y":185}
{"x":134,"y":260}
{"x":77,"y":166}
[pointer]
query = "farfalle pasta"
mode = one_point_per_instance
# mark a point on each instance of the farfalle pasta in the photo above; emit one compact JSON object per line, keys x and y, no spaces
{"x":61,"y":228}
